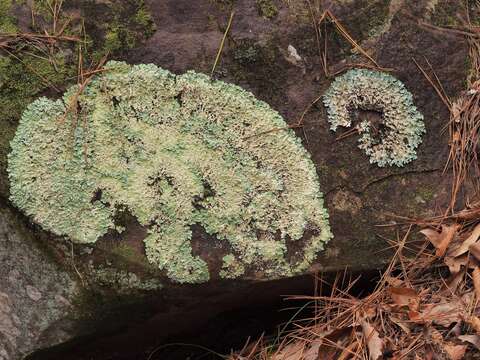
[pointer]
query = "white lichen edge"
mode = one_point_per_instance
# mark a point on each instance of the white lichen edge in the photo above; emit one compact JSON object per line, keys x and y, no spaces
{"x":174,"y":151}
{"x":373,"y":90}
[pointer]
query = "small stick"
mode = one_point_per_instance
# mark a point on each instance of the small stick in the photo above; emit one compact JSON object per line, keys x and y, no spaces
{"x":347,"y":134}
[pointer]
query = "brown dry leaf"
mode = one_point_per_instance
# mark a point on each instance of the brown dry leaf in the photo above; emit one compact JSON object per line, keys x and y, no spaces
{"x":475,"y":250}
{"x":471,"y":339}
{"x":474,"y":322}
{"x":443,"y":314}
{"x":393,"y":281}
{"x":312,"y":352}
{"x":453,"y":283}
{"x":455,"y":263}
{"x":476,"y":281}
{"x":442,"y":239}
{"x":455,"y":352}
{"x":472,"y":239}
{"x":348,"y":351}
{"x":435,"y":335}
{"x":404,"y":325}
{"x":293,"y":351}
{"x":372,"y":338}
{"x":404,"y":297}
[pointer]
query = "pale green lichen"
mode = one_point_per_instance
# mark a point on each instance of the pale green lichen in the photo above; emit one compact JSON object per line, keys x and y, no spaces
{"x":174,"y":151}
{"x":372,"y":90}
{"x":232,"y":268}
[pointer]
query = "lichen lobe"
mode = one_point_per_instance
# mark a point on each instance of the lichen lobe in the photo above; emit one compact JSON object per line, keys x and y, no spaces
{"x":175,"y":151}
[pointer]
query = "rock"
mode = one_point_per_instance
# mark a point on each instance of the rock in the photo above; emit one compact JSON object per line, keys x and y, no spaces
{"x":52,"y":291}
{"x":36,"y":294}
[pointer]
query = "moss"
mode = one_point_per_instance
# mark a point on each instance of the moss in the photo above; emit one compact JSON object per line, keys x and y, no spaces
{"x":266,"y":8}
{"x":426,"y":193}
{"x":123,"y":281}
{"x":393,"y":141}
{"x":247,"y":52}
{"x":20,"y":83}
{"x":366,"y":21}
{"x":175,"y":151}
{"x":7,"y":21}
{"x":261,"y":65}
{"x":129,"y":24}
{"x":445,"y":13}
{"x":126,"y":253}
{"x":224,"y":4}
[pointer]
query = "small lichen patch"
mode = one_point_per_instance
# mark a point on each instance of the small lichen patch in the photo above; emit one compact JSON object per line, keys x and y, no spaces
{"x":392,"y":142}
{"x":175,"y":151}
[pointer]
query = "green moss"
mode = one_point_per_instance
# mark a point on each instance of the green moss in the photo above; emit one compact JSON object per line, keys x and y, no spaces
{"x":266,"y":8}
{"x":7,"y":21}
{"x":366,"y":21}
{"x":261,"y":65}
{"x":129,"y":23}
{"x":224,"y":4}
{"x":426,"y":193}
{"x":123,"y":281}
{"x":20,"y":83}
{"x":175,"y":151}
{"x":247,"y":52}
{"x":445,"y":13}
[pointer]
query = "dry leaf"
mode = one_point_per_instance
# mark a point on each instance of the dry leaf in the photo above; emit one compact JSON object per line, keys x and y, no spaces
{"x":404,"y":297}
{"x":404,"y":325}
{"x":453,"y":282}
{"x":293,"y":351}
{"x":442,"y":239}
{"x":443,"y":314}
{"x":348,"y":351}
{"x":455,"y":263}
{"x":393,"y":281}
{"x":312,"y":351}
{"x":455,"y":352}
{"x":474,"y":322}
{"x":472,"y":339}
{"x":476,"y":281}
{"x":435,"y":335}
{"x":475,"y":250}
{"x":472,"y":239}
{"x":372,"y":338}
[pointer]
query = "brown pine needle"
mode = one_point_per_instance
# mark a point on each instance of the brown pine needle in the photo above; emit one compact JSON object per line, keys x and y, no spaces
{"x":222,"y":43}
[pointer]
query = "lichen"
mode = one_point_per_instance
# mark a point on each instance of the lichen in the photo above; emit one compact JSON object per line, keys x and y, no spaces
{"x":398,"y":136}
{"x":174,"y":151}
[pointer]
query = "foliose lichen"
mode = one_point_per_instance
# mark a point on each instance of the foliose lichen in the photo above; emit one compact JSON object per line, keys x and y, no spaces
{"x":174,"y":151}
{"x":402,"y":126}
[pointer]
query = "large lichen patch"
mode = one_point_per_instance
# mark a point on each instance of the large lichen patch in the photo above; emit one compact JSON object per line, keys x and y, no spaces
{"x":174,"y":151}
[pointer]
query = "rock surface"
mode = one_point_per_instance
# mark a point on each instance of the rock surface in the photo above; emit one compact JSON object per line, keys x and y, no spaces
{"x":52,"y":291}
